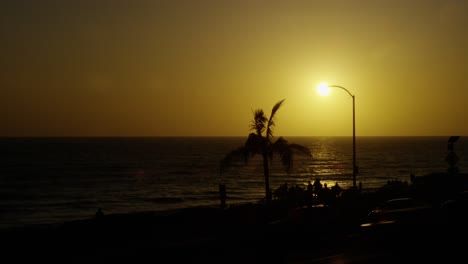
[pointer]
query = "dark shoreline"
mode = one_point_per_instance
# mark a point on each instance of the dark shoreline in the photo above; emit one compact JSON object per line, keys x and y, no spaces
{"x":246,"y":233}
{"x":192,"y":234}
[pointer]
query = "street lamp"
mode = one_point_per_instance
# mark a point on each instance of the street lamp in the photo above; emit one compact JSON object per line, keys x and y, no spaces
{"x":324,"y":89}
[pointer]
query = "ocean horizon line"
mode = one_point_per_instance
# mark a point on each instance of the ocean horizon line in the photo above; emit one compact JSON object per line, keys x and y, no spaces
{"x":374,"y":136}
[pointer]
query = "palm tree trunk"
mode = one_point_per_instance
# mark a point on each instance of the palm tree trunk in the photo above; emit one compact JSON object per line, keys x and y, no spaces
{"x":266,"y":172}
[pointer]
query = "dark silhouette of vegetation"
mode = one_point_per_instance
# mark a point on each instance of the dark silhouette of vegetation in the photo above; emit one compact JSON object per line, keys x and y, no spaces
{"x":261,"y":142}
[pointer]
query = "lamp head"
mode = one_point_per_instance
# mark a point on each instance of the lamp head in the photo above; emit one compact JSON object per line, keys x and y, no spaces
{"x":323,"y":89}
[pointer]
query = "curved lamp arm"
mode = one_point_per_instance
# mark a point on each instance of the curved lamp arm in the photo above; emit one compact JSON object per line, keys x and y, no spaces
{"x":341,"y":87}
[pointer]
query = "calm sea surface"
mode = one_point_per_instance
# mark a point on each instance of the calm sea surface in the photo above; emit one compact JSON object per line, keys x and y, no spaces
{"x":52,"y":180}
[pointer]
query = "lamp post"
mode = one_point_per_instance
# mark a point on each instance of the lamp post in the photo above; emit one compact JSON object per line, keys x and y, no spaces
{"x":324,"y":89}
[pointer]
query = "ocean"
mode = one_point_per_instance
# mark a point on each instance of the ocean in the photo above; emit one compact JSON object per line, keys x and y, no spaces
{"x":55,"y":180}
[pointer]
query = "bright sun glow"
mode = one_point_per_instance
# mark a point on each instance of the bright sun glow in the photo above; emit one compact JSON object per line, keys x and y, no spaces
{"x":323,"y":89}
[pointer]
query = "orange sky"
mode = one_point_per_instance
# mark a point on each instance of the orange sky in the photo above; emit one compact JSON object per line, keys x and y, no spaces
{"x":199,"y":68}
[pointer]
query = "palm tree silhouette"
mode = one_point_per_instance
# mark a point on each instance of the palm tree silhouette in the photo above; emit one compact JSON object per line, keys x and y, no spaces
{"x":264,"y":144}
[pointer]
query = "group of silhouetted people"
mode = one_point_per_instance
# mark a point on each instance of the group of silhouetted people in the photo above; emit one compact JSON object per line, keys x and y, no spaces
{"x":313,"y":193}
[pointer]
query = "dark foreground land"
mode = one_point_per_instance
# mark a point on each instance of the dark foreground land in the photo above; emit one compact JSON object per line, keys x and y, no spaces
{"x":250,"y":233}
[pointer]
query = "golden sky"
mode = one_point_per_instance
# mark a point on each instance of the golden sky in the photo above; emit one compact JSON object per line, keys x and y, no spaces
{"x":199,"y":68}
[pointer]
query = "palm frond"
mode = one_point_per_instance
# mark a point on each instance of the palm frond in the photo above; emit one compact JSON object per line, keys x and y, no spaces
{"x":235,"y":155}
{"x":286,"y":152}
{"x":259,"y":121}
{"x":302,"y":149}
{"x":276,"y":107}
{"x":254,"y":145}
{"x":281,"y":147}
{"x":287,"y":161}
{"x":271,"y":120}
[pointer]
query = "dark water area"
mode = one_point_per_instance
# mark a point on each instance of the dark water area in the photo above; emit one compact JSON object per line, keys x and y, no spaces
{"x":52,"y":180}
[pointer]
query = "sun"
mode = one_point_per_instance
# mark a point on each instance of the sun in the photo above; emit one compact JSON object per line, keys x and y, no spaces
{"x":323,"y":89}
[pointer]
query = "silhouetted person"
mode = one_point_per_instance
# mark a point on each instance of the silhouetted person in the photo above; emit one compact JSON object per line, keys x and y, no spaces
{"x":336,"y":190}
{"x":309,"y":192}
{"x":282,"y":191}
{"x":310,"y":187}
{"x":99,"y":213}
{"x":317,"y":187}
